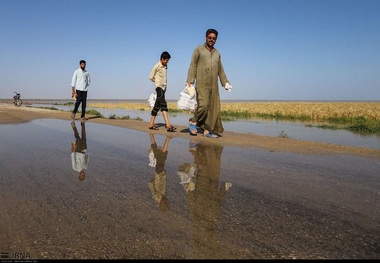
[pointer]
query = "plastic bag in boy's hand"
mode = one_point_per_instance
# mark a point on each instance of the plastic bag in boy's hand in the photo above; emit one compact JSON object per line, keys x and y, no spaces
{"x":152,"y":99}
{"x":228,"y":87}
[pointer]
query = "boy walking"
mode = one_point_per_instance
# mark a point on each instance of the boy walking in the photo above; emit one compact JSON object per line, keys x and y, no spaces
{"x":158,"y":76}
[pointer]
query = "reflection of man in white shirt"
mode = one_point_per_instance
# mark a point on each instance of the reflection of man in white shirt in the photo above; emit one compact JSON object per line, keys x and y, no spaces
{"x":79,"y":161}
{"x":79,"y":157}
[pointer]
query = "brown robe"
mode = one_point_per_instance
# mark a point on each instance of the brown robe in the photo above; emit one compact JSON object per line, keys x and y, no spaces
{"x":205,"y":68}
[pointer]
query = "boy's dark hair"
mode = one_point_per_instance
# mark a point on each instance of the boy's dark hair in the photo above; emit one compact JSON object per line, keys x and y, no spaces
{"x":82,"y":61}
{"x":165,"y":55}
{"x":209,"y":31}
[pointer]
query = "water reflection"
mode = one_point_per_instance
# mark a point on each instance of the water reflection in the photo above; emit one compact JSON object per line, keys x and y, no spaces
{"x":188,"y":172}
{"x":157,"y":185}
{"x":291,"y":206}
{"x":79,"y":156}
{"x":204,"y":196}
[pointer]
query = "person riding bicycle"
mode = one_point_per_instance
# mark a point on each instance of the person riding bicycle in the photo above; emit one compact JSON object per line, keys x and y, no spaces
{"x":17,"y":96}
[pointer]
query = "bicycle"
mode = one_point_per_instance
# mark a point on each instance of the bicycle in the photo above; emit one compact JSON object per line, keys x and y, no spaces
{"x":17,"y":100}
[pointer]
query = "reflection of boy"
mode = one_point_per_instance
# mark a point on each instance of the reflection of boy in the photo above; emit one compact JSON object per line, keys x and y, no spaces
{"x":157,"y":185}
{"x":79,"y":156}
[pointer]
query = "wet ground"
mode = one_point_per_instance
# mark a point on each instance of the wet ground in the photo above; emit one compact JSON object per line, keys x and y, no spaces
{"x":194,"y":201}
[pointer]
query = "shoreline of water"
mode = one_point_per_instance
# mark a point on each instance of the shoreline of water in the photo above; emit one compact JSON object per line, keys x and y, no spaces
{"x":267,"y":127}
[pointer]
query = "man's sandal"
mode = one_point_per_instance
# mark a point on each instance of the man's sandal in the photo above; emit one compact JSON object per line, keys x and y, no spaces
{"x":193,"y":129}
{"x":210,"y":135}
{"x":154,"y":127}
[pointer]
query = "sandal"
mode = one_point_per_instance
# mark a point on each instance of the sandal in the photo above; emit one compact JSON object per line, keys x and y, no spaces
{"x":193,"y":129}
{"x":210,"y":135}
{"x":171,"y":129}
{"x":154,"y":127}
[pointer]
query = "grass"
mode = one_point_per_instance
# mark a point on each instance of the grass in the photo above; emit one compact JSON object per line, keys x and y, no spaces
{"x":358,"y":117}
{"x":126,"y":117}
{"x":94,"y":112}
{"x":48,"y":108}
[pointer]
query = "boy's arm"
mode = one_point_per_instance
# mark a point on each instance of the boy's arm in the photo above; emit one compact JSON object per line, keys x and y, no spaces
{"x":152,"y":75}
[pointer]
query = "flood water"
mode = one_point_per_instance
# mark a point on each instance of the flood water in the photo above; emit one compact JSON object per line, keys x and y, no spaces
{"x":273,"y":128}
{"x":194,"y":201}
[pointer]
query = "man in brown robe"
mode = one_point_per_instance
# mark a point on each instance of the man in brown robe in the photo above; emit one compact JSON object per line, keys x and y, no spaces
{"x":205,"y":68}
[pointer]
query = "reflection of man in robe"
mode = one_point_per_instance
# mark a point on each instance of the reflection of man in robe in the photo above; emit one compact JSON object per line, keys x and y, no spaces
{"x":157,"y":185}
{"x":188,"y":171}
{"x":204,"y":196}
{"x":79,"y":156}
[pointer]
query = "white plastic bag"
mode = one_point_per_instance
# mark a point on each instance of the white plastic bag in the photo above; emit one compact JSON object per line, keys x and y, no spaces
{"x":152,"y":100}
{"x":152,"y":159}
{"x":187,"y":99}
{"x":189,"y":173}
{"x":190,"y":90}
{"x":228,"y":87}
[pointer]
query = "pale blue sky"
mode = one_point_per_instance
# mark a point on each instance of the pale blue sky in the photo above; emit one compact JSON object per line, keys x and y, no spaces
{"x":271,"y":49}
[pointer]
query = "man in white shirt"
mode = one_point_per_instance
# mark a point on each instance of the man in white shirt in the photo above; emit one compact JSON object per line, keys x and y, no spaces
{"x":79,"y":85}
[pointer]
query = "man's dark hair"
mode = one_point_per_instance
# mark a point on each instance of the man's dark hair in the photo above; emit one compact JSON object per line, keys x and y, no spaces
{"x":209,"y":31}
{"x":165,"y":55}
{"x":82,"y":61}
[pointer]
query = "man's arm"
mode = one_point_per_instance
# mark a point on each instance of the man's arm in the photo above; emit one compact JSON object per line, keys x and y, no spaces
{"x":88,"y":79}
{"x":73,"y":81}
{"x":73,"y":92}
{"x":222,"y":75}
{"x":192,"y":72}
